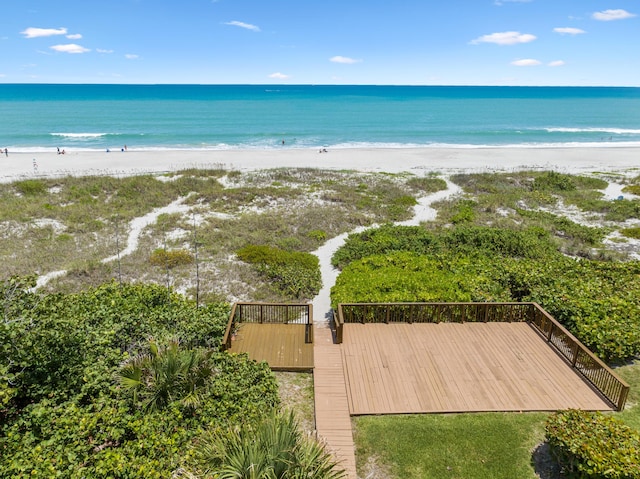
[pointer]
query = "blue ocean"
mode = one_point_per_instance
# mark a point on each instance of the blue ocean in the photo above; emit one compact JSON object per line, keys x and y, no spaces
{"x":40,"y":117}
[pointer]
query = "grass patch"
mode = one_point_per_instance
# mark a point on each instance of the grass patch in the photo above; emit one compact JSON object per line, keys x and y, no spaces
{"x":631,"y":374}
{"x":631,"y":232}
{"x":465,"y":446}
{"x":296,"y":394}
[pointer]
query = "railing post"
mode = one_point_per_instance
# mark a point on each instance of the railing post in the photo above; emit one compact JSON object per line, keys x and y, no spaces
{"x":576,"y":350}
{"x":309,"y":326}
{"x":623,"y":398}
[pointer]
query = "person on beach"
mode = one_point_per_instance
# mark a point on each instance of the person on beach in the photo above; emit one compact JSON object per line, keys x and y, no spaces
{"x":6,"y":152}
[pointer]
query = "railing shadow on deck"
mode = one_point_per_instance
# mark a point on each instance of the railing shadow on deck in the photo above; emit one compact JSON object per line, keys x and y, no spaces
{"x":269,"y":313}
{"x":577,"y":355}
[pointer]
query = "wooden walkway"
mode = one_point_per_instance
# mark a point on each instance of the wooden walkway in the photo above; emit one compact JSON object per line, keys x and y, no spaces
{"x":471,"y":367}
{"x":333,"y":420}
{"x":282,"y":346}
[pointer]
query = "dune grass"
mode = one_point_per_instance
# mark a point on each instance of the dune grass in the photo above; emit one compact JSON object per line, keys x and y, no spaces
{"x":72,"y":223}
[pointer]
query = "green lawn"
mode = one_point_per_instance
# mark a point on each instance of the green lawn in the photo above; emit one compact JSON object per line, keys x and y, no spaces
{"x":463,"y":446}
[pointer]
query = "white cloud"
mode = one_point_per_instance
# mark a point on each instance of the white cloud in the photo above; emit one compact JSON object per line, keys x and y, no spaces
{"x":279,"y":76}
{"x":246,"y":26}
{"x":608,"y":15}
{"x":75,"y":36}
{"x":70,"y":48}
{"x":101,"y":50}
{"x":32,"y":32}
{"x":131,"y":56}
{"x":526,"y":62}
{"x":345,"y":60}
{"x":556,"y":63}
{"x":568,"y":31}
{"x":505,"y":38}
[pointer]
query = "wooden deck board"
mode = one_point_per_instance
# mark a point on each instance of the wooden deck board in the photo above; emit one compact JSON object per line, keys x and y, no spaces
{"x":333,"y":419}
{"x":471,"y":367}
{"x":282,"y":346}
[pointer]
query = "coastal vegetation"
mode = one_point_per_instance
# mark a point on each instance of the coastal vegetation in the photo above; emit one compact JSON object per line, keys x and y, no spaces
{"x":128,"y":381}
{"x":72,"y":224}
{"x":113,"y":369}
{"x":524,"y":236}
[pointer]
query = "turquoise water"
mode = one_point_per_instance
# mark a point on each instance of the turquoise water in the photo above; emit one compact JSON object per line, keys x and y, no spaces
{"x":36,"y":117}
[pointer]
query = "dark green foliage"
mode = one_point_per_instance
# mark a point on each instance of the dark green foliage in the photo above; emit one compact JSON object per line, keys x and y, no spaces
{"x":385,"y":239}
{"x":553,"y":181}
{"x":295,"y":273}
{"x":63,"y":412}
{"x":168,"y":374}
{"x":63,"y":335}
{"x":403,"y":276}
{"x":596,"y":300}
{"x":529,"y":243}
{"x":594,"y":446}
{"x":464,"y":212}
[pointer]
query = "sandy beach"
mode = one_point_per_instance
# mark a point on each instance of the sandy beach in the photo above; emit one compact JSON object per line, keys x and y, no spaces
{"x":418,"y":160}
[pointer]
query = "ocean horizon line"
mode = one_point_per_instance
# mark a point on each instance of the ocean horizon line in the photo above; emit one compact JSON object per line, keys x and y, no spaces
{"x":357,"y":85}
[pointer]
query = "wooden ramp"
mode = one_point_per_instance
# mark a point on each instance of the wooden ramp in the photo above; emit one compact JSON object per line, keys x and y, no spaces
{"x":471,"y":367}
{"x":282,"y":346}
{"x":333,"y":421}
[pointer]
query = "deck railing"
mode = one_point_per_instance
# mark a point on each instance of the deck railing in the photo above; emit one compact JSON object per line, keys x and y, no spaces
{"x":272,"y":313}
{"x":590,"y":367}
{"x":583,"y":361}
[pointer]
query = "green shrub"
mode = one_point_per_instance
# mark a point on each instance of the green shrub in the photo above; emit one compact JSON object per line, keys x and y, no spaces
{"x":170,"y":258}
{"x":382,"y":240}
{"x":465,"y":212}
{"x":554,"y":181}
{"x":64,"y":415}
{"x":402,"y":276}
{"x":528,"y":243}
{"x":31,"y":187}
{"x":318,"y":235}
{"x":594,"y":446}
{"x":295,"y":273}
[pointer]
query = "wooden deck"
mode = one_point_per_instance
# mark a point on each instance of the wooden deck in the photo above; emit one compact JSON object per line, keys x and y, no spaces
{"x":282,"y":346}
{"x":471,"y":367}
{"x":333,"y":420}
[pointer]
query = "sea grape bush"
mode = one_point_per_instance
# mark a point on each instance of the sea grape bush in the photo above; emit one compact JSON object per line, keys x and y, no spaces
{"x":591,"y":445}
{"x":63,"y":412}
{"x":596,"y":300}
{"x":295,"y":273}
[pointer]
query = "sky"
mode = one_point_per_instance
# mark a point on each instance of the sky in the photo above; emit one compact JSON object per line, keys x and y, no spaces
{"x":384,"y":42}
